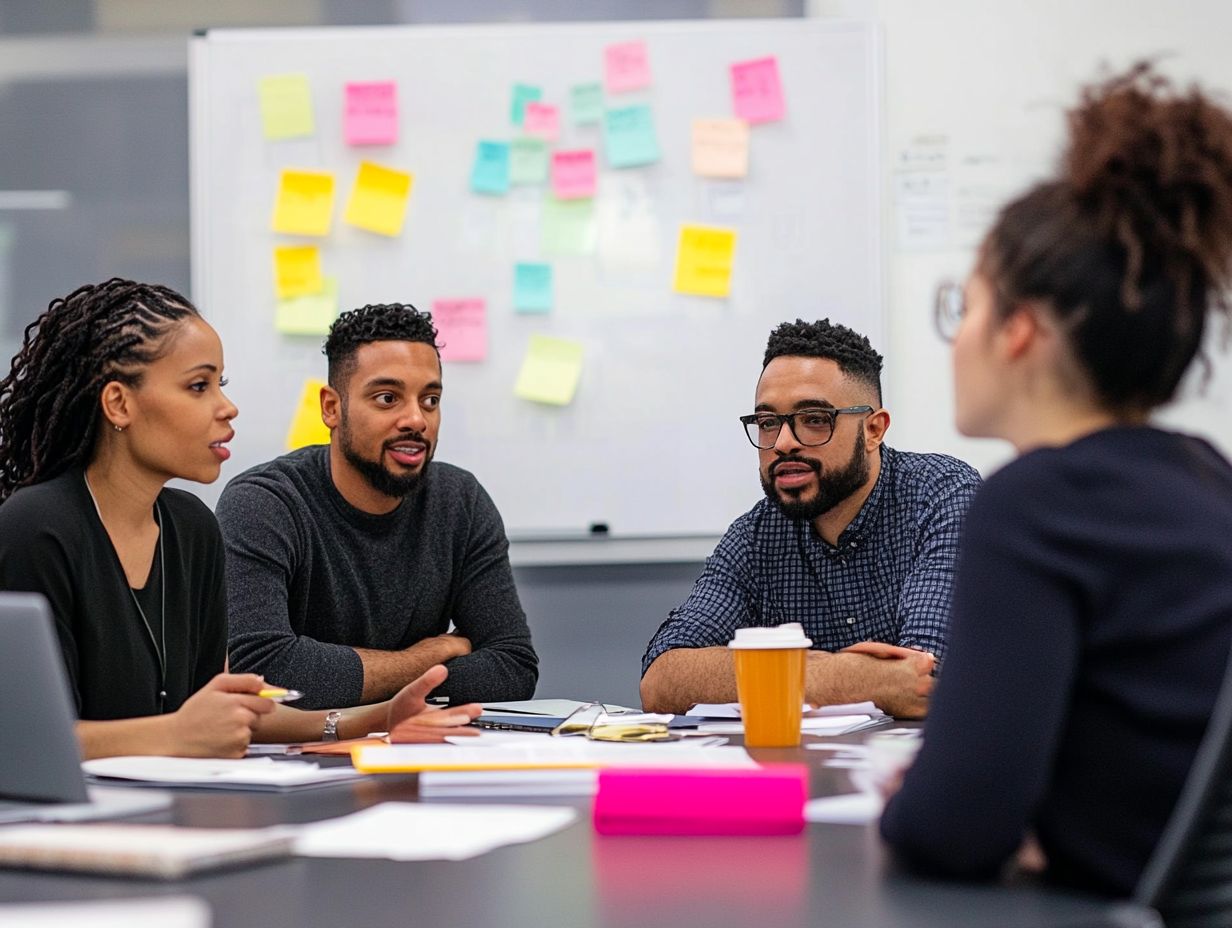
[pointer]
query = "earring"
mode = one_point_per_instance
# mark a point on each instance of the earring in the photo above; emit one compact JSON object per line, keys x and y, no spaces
{"x":118,"y":428}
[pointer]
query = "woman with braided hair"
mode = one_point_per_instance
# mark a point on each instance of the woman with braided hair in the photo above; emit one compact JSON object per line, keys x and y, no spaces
{"x":117,"y":389}
{"x":1092,"y":614}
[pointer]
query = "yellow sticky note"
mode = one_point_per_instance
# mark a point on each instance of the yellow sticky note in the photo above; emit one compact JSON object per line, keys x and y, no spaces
{"x":704,"y":260}
{"x":297,"y":270}
{"x":720,"y":147}
{"x":311,"y":314}
{"x":286,"y":106}
{"x":307,"y":427}
{"x":550,"y":370}
{"x":305,"y":204}
{"x":378,"y":199}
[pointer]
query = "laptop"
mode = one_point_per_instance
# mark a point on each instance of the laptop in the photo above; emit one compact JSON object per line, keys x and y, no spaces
{"x":40,"y":766}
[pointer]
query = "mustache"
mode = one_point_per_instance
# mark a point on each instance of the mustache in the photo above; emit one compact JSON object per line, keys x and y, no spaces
{"x":408,"y":436}
{"x":815,"y":466}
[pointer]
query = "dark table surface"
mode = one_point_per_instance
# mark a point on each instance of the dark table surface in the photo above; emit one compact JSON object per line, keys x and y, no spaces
{"x":831,"y":875}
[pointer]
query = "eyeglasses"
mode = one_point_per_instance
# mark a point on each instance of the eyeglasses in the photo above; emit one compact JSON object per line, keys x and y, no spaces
{"x":598,"y":724}
{"x":949,"y":307}
{"x":811,"y":427}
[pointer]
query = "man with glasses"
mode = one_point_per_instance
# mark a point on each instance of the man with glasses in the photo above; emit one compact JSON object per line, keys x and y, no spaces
{"x":855,"y":541}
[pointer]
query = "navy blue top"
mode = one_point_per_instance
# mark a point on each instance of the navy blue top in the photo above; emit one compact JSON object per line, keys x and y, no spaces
{"x":888,"y":579}
{"x":1092,"y":625}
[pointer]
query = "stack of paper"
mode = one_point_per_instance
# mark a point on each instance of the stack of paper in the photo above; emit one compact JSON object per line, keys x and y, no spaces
{"x":816,"y":720}
{"x":544,"y":753}
{"x":249,"y":773}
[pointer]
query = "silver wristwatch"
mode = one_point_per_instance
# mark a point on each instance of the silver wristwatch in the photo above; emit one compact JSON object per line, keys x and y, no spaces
{"x":330,"y":733}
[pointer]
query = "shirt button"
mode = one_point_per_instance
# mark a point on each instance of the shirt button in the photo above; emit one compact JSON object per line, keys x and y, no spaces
{"x":851,"y":620}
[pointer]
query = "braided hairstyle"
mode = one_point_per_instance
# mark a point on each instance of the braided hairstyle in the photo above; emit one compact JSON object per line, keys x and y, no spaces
{"x":1131,"y":246}
{"x":376,"y":322}
{"x":49,"y":402}
{"x":851,"y":351}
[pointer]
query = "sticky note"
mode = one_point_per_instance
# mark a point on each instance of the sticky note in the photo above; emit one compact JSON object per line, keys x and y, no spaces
{"x":306,"y":425}
{"x":573,"y":174}
{"x":567,"y":227}
{"x":720,"y":147}
{"x":757,"y":93}
{"x":629,"y":137}
{"x":378,"y":199}
{"x":704,"y":260}
{"x":286,"y":106}
{"x":312,"y":314}
{"x":371,"y":113}
{"x":305,"y":203}
{"x":462,"y":329}
{"x":297,"y":270}
{"x":626,"y":66}
{"x":532,"y":288}
{"x":542,"y":121}
{"x":586,"y":103}
{"x":522,"y":94}
{"x":528,"y":161}
{"x":550,"y":371}
{"x":491,"y":171}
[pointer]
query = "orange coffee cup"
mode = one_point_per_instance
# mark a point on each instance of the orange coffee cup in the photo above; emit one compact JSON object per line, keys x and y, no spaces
{"x":770,"y":683}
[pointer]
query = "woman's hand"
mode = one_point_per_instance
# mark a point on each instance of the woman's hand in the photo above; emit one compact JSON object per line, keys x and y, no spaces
{"x":413,"y":721}
{"x":218,"y":719}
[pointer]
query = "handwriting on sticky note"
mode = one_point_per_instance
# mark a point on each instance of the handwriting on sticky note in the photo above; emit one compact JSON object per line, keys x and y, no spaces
{"x":306,"y":425}
{"x":305,"y":203}
{"x":542,"y":121}
{"x":297,"y":270}
{"x":522,"y":94}
{"x":462,"y":328}
{"x":490,"y":173}
{"x":720,"y":147}
{"x":550,"y":371}
{"x":757,"y":92}
{"x":586,"y":103}
{"x":629,"y":137}
{"x":568,"y":227}
{"x":311,"y":314}
{"x":704,"y":260}
{"x":573,"y":174}
{"x":371,"y":114}
{"x":626,"y":67}
{"x":528,"y":161}
{"x":286,"y":106}
{"x":532,"y":288}
{"x":378,"y":199}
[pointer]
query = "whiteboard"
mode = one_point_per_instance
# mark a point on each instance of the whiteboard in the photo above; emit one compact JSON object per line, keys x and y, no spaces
{"x":650,"y":445}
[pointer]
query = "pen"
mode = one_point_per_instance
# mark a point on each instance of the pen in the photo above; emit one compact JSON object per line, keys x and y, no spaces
{"x":279,"y":694}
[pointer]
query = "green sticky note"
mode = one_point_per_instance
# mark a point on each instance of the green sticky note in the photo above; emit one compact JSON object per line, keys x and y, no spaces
{"x":286,"y":106}
{"x":568,"y":227}
{"x":550,"y":371}
{"x":528,"y":161}
{"x":523,"y":94}
{"x":586,"y":103}
{"x":629,"y":137}
{"x":532,"y":288}
{"x":491,"y":171}
{"x":312,"y":314}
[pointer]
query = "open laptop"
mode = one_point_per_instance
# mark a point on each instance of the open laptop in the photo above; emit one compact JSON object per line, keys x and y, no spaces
{"x":40,"y":762}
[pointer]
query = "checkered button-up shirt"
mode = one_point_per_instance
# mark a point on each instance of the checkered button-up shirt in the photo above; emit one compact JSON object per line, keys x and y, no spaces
{"x":888,"y":579}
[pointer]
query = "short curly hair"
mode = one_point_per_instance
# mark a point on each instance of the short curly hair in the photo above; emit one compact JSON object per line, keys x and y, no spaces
{"x":376,"y":322}
{"x":851,"y":351}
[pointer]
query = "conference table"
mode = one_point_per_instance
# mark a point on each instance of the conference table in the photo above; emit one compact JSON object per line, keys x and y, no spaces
{"x":830,"y":875}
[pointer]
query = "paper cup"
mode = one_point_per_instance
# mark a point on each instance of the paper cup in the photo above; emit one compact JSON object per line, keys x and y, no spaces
{"x":770,"y":683}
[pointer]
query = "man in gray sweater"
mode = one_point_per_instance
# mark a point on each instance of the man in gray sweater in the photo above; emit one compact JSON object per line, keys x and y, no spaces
{"x":347,"y":563}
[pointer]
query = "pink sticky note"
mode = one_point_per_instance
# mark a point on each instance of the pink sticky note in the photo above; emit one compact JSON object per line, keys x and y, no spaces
{"x":462,"y":329}
{"x":757,"y":93}
{"x":371,"y":116}
{"x":573,"y":174}
{"x":626,"y":67}
{"x":542,"y":121}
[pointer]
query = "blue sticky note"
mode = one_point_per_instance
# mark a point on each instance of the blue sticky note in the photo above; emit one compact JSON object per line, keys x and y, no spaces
{"x":523,"y":94}
{"x":629,"y":137}
{"x":532,"y":288}
{"x":491,"y":171}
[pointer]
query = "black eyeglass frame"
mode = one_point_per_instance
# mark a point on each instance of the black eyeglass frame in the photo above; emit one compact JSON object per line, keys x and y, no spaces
{"x":790,"y":419}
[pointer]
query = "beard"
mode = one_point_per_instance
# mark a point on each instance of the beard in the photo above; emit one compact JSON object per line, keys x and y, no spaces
{"x":832,"y":488}
{"x":380,"y":477}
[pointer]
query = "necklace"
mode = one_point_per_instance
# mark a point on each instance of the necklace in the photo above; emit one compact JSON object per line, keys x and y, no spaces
{"x":160,"y":652}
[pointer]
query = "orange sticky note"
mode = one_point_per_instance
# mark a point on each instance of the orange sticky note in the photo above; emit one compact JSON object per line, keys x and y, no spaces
{"x":378,"y":199}
{"x":720,"y":147}
{"x":305,"y":203}
{"x":297,"y":270}
{"x":704,"y":260}
{"x":307,"y":427}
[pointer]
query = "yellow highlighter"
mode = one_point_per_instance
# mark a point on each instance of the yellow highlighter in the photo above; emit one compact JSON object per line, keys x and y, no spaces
{"x":279,"y":694}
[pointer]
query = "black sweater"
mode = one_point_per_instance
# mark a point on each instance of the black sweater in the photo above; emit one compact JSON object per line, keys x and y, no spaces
{"x":1092,"y":625}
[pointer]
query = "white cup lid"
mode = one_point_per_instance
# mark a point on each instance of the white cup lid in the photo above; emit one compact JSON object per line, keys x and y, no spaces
{"x":789,"y":635}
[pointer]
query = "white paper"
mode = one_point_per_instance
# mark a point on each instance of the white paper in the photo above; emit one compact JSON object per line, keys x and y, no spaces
{"x":248,"y":772}
{"x":551,"y":708}
{"x":164,"y":912}
{"x":731,"y":710}
{"x":551,"y":753}
{"x":433,"y":783}
{"x":426,"y":831}
{"x":847,"y":809}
